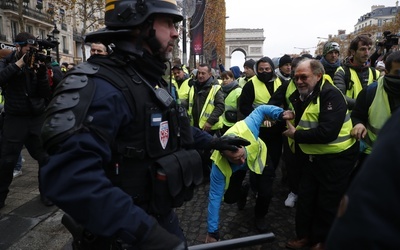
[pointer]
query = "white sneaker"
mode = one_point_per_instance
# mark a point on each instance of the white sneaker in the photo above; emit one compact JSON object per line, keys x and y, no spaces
{"x":291,"y":200}
{"x":17,"y":173}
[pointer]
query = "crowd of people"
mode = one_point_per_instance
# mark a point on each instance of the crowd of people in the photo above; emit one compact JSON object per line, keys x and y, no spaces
{"x":114,"y":135}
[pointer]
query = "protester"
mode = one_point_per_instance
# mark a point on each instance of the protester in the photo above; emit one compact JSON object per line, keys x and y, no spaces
{"x":229,"y":170}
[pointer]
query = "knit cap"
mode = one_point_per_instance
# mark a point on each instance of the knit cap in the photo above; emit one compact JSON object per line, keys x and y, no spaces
{"x":284,"y":59}
{"x":249,"y":63}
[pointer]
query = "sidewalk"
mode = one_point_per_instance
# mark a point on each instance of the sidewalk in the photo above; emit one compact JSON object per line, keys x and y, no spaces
{"x":26,"y":224}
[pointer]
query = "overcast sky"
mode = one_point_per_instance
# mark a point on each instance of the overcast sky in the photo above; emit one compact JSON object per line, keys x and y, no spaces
{"x":293,"y":23}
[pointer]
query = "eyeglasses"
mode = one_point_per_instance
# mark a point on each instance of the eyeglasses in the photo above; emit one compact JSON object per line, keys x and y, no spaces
{"x":303,"y":78}
{"x":28,"y":41}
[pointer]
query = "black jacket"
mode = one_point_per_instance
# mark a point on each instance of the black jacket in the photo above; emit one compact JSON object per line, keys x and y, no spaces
{"x":25,"y":90}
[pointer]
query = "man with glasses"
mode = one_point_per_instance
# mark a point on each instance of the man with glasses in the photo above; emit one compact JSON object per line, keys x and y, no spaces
{"x":323,"y":149}
{"x":25,"y":86}
{"x":229,"y":170}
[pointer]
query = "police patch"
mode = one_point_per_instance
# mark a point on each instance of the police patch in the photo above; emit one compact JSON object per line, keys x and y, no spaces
{"x":164,"y":134}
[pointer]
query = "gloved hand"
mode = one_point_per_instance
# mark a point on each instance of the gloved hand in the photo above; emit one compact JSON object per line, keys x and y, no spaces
{"x":159,"y":238}
{"x":228,"y":142}
{"x":212,"y":237}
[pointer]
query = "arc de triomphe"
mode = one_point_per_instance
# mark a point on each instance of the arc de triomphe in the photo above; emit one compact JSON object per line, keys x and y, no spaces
{"x":249,"y":41}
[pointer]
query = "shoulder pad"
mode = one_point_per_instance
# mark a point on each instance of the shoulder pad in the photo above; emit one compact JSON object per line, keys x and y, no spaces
{"x":86,"y":68}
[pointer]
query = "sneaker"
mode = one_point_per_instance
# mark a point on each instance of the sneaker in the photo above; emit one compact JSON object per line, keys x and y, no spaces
{"x":17,"y":173}
{"x":241,"y":203}
{"x":291,"y":200}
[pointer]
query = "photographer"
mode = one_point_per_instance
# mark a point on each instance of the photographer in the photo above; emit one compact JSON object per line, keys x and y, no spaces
{"x":25,"y":86}
{"x":386,"y":45}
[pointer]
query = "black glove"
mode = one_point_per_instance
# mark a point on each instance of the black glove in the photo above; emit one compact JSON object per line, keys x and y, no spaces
{"x":159,"y":238}
{"x":228,"y":142}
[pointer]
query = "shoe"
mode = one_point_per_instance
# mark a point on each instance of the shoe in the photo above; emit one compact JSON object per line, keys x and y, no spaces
{"x":291,"y":199}
{"x":297,"y":243}
{"x":318,"y":246}
{"x":261,"y":225}
{"x":241,"y":203}
{"x":17,"y":173}
{"x":46,"y":201}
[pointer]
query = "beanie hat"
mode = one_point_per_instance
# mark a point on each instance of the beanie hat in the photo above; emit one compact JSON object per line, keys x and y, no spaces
{"x":249,"y":63}
{"x":284,"y":60}
{"x":330,"y":46}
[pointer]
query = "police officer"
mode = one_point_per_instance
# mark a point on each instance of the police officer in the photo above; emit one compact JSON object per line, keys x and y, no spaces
{"x":114,"y":133}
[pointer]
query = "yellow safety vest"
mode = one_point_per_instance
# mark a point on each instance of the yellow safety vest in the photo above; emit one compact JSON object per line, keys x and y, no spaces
{"x":231,"y":105}
{"x":207,"y":109}
{"x":183,"y":90}
{"x":261,"y":93}
{"x":256,"y":152}
{"x":378,"y":113}
{"x":309,"y":120}
{"x":357,"y":87}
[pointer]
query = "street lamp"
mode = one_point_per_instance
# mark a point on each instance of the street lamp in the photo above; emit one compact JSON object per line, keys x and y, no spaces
{"x":54,"y":40}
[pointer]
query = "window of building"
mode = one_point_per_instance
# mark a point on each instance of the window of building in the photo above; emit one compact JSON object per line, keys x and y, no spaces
{"x":14,"y":29}
{"x":29,"y":29}
{"x":42,"y":34}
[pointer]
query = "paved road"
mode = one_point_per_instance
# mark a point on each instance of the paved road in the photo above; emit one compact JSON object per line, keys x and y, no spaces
{"x":26,"y":224}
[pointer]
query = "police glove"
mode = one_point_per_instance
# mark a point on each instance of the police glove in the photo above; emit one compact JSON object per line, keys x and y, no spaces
{"x":159,"y":238}
{"x":228,"y":142}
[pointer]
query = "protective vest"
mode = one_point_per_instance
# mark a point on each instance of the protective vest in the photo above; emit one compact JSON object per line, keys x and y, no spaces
{"x":231,"y":105}
{"x":289,"y":91}
{"x":157,"y":128}
{"x":183,"y":90}
{"x":354,"y":86}
{"x":378,"y":113}
{"x":207,"y":109}
{"x":309,"y":120}
{"x":256,"y":152}
{"x":261,"y":93}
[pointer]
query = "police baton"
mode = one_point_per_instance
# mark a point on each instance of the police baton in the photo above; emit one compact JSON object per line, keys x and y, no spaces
{"x":236,"y":243}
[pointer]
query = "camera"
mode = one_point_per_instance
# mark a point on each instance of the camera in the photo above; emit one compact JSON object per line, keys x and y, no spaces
{"x":42,"y":54}
{"x":389,"y":40}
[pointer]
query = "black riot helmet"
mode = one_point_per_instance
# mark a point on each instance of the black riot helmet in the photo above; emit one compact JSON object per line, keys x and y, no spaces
{"x":121,"y":16}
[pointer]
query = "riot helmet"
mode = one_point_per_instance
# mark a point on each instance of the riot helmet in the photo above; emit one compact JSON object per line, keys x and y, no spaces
{"x":121,"y":16}
{"x":330,"y":46}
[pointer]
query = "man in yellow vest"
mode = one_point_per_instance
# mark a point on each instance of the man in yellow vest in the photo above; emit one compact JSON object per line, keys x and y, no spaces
{"x":181,"y":83}
{"x":324,"y":150}
{"x":356,"y":73}
{"x":206,"y":105}
{"x":257,"y":91}
{"x":229,"y":170}
{"x":374,"y":105}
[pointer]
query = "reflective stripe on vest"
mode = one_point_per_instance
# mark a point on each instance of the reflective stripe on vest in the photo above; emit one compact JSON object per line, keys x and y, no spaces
{"x":256,"y":152}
